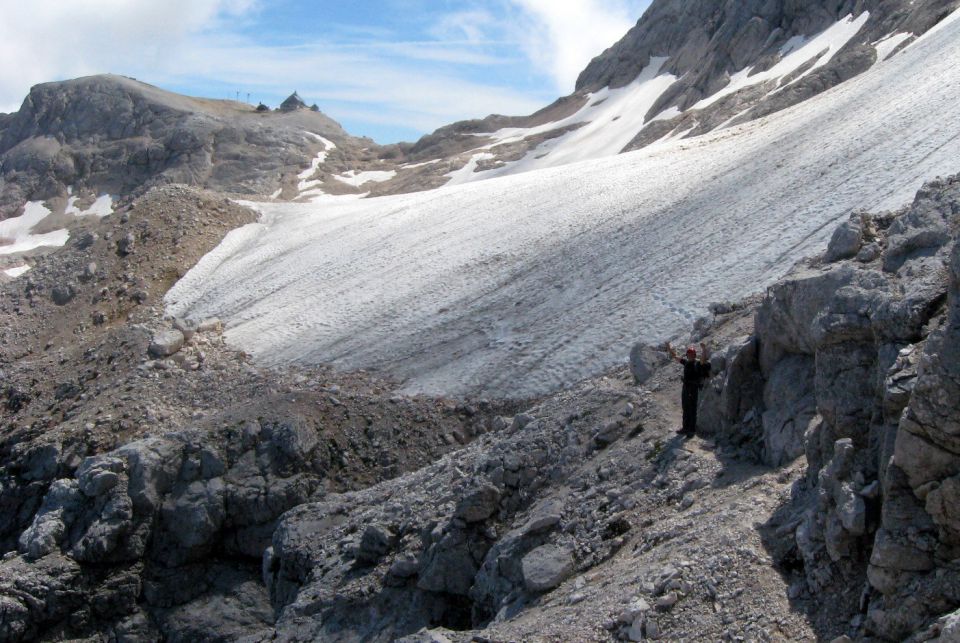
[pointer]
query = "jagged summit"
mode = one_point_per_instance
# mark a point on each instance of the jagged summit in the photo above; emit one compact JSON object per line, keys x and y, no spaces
{"x":706,"y":42}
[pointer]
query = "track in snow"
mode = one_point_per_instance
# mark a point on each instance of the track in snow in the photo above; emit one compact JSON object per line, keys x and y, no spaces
{"x":523,"y":284}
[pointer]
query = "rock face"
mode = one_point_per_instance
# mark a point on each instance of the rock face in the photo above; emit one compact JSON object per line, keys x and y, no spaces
{"x":706,"y":42}
{"x":546,"y":567}
{"x":859,"y":366}
{"x":112,"y":134}
{"x":152,"y":508}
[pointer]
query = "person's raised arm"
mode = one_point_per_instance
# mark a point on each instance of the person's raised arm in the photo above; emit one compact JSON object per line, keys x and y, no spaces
{"x":673,"y":353}
{"x":704,"y":353}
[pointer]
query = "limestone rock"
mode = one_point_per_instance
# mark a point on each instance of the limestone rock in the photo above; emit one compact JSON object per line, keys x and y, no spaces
{"x":166,"y":343}
{"x":376,"y":541}
{"x":546,"y":567}
{"x":479,"y":504}
{"x":643,"y":360}
{"x":846,"y":240}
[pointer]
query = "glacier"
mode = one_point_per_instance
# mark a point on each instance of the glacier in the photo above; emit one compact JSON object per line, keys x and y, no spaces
{"x":522,"y":284}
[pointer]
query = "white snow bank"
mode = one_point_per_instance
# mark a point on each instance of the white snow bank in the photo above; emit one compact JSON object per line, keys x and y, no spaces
{"x":16,"y":235}
{"x":796,"y":52}
{"x":885,"y":46}
{"x":315,"y":163}
{"x":16,"y":232}
{"x":327,"y":143}
{"x":465,"y":174}
{"x":13,"y":273}
{"x":102,"y":207}
{"x":609,"y":120}
{"x":527,"y":283}
{"x":410,"y":166}
{"x":356,"y":179}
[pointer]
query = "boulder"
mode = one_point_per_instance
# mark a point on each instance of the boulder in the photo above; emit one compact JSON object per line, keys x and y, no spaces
{"x":546,"y":567}
{"x":644,"y":360}
{"x":126,"y":244}
{"x":375,"y":542}
{"x":63,"y":294}
{"x":543,"y":517}
{"x":166,"y":343}
{"x":846,"y":239}
{"x":479,"y":504}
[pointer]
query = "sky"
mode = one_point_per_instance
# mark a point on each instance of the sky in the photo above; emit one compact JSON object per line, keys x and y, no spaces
{"x":389,"y":69}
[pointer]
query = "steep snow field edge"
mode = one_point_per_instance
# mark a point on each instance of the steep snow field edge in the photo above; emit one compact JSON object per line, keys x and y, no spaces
{"x":524,"y":284}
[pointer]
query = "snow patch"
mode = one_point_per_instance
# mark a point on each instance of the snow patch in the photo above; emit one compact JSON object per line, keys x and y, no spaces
{"x":315,"y":163}
{"x":13,"y":273}
{"x":102,"y":207}
{"x":466,"y":173}
{"x":885,"y":46}
{"x":356,"y":179}
{"x":327,"y":143}
{"x":610,"y":120}
{"x":410,"y":166}
{"x":16,"y":235}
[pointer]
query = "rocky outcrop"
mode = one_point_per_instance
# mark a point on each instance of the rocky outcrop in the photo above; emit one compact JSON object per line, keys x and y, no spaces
{"x":151,"y":510}
{"x":856,"y":357}
{"x":111,"y":134}
{"x":708,"y":41}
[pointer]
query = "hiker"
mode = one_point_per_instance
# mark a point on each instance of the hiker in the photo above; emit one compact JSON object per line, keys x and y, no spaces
{"x":694,"y":374}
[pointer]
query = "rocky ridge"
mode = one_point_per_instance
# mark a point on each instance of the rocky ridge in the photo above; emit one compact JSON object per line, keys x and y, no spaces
{"x":852,"y":366}
{"x":706,"y":43}
{"x":115,"y":135}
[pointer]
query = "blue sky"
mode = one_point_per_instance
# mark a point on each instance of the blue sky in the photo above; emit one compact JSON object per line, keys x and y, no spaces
{"x":389,"y":69}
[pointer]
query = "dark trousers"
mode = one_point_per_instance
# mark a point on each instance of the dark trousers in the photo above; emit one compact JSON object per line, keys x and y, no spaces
{"x":688,"y":399}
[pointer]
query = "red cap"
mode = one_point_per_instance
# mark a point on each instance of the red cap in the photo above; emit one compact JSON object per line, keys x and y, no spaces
{"x":691,"y":351}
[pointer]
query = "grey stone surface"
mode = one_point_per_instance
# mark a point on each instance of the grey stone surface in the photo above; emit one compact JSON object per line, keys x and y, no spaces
{"x":846,"y":240}
{"x":479,"y":504}
{"x":643,"y":360}
{"x":166,"y":343}
{"x":859,"y":371}
{"x":112,"y":134}
{"x":546,"y":567}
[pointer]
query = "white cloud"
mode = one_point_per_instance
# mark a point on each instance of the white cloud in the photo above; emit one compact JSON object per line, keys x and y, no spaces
{"x":45,"y":40}
{"x":359,"y":81}
{"x":419,"y":83}
{"x":562,"y":37}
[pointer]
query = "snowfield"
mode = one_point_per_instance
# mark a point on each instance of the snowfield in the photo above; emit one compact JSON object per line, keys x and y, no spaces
{"x":611,"y":118}
{"x":523,"y":284}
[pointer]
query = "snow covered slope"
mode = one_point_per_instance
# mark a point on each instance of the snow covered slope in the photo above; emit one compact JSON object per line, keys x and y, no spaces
{"x":525,"y":283}
{"x":612,"y":118}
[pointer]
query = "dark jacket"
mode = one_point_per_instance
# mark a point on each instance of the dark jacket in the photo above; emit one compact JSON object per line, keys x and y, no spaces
{"x":694,"y":373}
